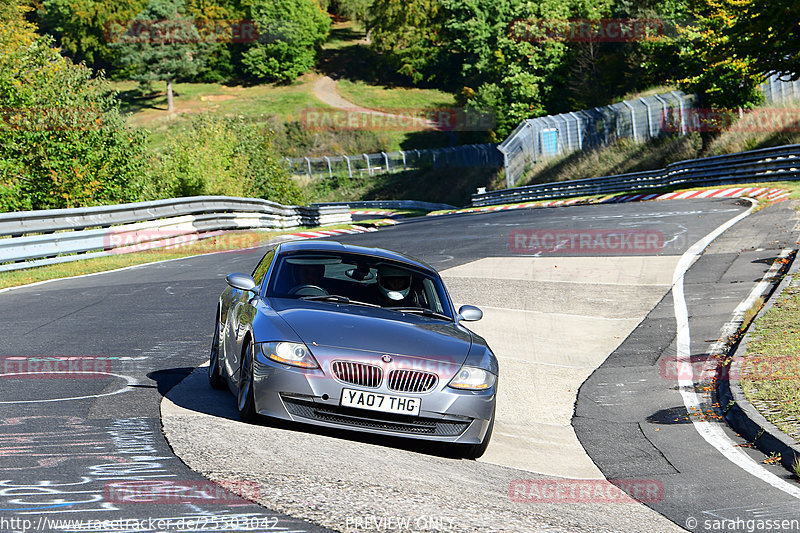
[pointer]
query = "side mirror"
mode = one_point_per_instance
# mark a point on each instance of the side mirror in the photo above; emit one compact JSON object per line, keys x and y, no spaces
{"x":470,"y":313}
{"x":243,"y":282}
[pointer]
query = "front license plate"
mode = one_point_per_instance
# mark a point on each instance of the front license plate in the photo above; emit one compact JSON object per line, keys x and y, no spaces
{"x":385,"y":403}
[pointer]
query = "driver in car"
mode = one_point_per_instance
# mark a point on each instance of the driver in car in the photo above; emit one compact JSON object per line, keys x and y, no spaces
{"x":394,"y":286}
{"x":307,"y":274}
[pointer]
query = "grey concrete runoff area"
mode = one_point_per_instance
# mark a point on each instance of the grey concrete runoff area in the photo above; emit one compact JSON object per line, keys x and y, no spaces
{"x":580,"y":336}
{"x":351,"y":484}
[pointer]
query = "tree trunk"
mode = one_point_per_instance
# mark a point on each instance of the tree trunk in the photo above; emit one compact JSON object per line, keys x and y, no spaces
{"x":170,"y":104}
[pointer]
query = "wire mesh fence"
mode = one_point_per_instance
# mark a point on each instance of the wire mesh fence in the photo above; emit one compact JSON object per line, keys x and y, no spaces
{"x":641,"y":119}
{"x":471,"y":155}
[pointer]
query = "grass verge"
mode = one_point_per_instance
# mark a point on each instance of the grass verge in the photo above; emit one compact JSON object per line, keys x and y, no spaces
{"x":393,"y":99}
{"x":771,"y":367}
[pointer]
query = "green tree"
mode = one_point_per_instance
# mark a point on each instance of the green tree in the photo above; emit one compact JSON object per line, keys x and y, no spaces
{"x":502,"y":70}
{"x":291,"y":33}
{"x":355,"y":10}
{"x":407,"y":34}
{"x":63,"y":142}
{"x":161,"y":44}
{"x":81,"y":27}
{"x":768,"y":33}
{"x":724,"y":75}
{"x":597,"y":71}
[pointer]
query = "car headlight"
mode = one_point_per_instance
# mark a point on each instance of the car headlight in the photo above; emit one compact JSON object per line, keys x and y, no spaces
{"x":473,"y":378}
{"x":290,"y":353}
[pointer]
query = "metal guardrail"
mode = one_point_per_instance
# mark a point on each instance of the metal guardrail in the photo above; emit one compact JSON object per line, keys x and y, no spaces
{"x":767,"y":164}
{"x":36,"y":238}
{"x":389,"y":204}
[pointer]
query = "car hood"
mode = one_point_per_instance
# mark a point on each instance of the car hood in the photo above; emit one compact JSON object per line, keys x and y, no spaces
{"x":370,"y":329}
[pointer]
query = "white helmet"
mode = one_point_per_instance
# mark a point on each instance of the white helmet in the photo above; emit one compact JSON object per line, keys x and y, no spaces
{"x":394,"y":283}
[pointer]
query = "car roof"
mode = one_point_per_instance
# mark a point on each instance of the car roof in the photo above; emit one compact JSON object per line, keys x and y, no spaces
{"x":335,"y":246}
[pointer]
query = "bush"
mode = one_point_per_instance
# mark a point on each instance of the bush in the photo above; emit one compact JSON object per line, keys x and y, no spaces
{"x":63,"y":142}
{"x":221,"y":156}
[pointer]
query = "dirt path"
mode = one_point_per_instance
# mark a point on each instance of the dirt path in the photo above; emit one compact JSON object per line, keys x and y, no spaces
{"x":325,"y":90}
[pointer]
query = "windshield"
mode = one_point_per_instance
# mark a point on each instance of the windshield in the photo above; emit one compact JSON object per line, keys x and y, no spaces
{"x":357,"y":279}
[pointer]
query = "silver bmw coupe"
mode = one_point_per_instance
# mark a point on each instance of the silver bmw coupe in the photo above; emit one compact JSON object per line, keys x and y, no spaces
{"x":358,"y":338}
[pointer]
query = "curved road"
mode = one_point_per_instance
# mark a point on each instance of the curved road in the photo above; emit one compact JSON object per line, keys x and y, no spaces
{"x":80,"y":444}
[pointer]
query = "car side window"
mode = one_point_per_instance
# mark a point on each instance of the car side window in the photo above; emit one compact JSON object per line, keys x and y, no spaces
{"x":431,"y":298}
{"x":263,"y":267}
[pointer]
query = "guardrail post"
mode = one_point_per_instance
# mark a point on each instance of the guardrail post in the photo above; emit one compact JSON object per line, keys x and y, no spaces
{"x":402,"y":153}
{"x":577,"y":130}
{"x":369,"y":168}
{"x":681,"y":111}
{"x":633,"y":120}
{"x":771,"y":82}
{"x":566,"y":133}
{"x":386,"y":160}
{"x":649,"y":118}
{"x":606,"y":129}
{"x":509,"y":180}
{"x":664,"y":113}
{"x":308,"y":165}
{"x":330,"y":170}
{"x":349,"y":168}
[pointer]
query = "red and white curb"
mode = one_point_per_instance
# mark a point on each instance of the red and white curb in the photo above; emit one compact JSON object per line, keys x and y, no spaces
{"x":771,"y":195}
{"x":330,"y":232}
{"x":371,"y":212}
{"x":750,"y":192}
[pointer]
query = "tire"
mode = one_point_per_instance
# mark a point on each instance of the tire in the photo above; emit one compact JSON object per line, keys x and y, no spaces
{"x":473,"y":451}
{"x":215,"y":378}
{"x":245,"y":400}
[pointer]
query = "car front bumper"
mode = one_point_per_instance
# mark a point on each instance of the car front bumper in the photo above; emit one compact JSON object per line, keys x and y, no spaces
{"x":313,"y":397}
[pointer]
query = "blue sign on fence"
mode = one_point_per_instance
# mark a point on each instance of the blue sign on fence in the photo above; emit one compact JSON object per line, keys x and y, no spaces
{"x":549,"y":140}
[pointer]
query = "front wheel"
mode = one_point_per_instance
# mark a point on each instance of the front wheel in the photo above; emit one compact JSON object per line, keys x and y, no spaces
{"x":246,"y":402}
{"x":215,"y":378}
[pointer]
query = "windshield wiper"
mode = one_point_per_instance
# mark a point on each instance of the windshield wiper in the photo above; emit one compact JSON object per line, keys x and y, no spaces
{"x":338,"y":299}
{"x":420,"y":310}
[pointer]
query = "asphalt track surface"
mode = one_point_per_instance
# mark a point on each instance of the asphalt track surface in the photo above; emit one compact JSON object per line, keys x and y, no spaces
{"x":74,"y":445}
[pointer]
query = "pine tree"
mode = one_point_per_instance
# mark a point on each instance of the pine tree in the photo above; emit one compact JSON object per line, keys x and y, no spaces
{"x":161,"y":44}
